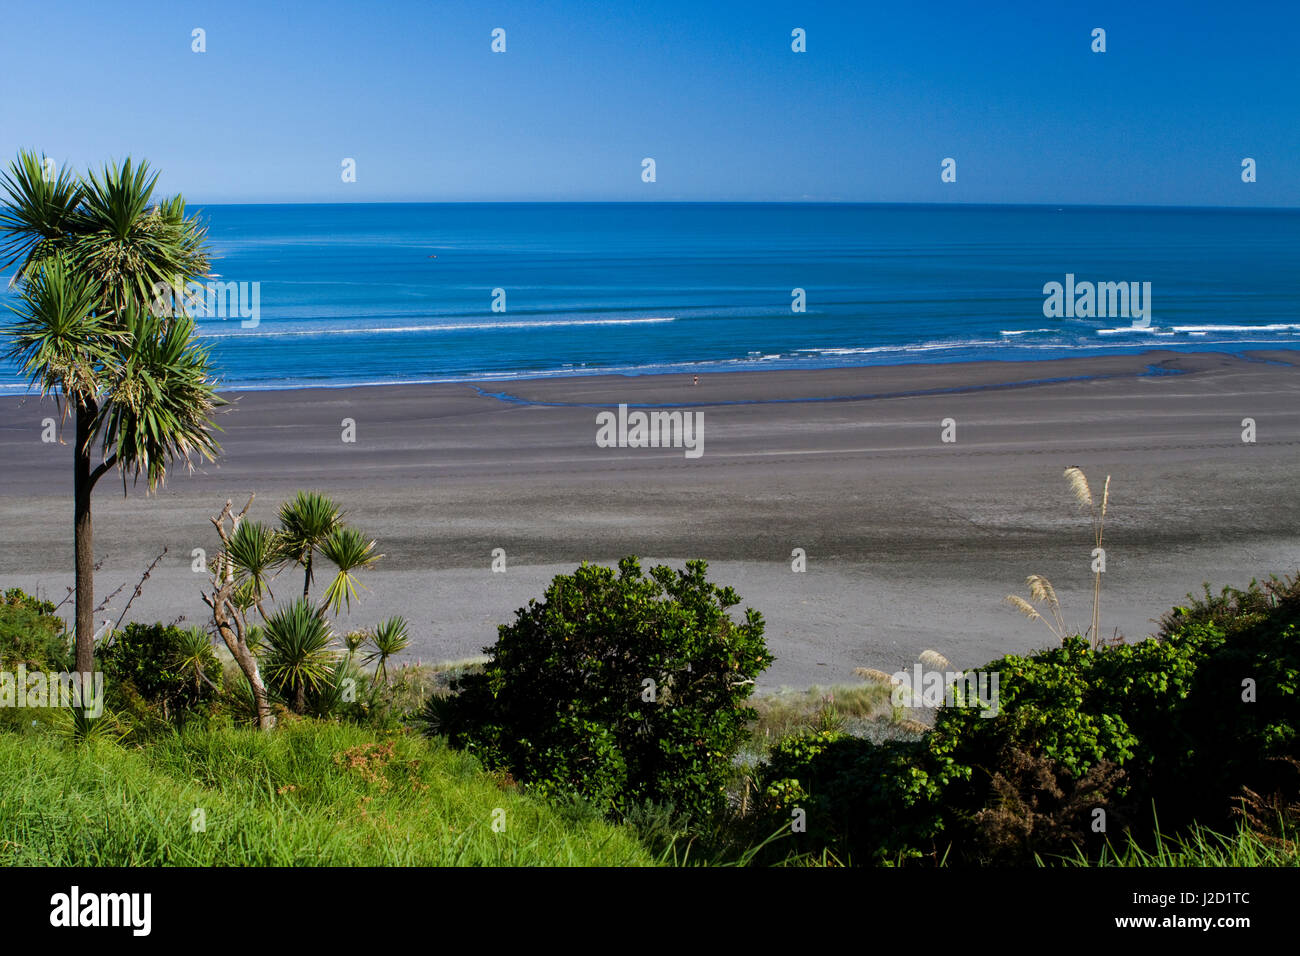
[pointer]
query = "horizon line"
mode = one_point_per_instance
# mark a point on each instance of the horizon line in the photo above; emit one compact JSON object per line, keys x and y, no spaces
{"x":736,"y":202}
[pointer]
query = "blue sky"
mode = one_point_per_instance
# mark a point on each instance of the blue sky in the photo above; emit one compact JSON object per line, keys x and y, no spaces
{"x":711,"y":90}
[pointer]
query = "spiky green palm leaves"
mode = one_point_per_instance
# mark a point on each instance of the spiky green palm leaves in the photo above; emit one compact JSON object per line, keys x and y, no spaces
{"x":298,"y":657}
{"x":390,"y":639}
{"x":143,"y":378}
{"x":254,"y":553}
{"x":89,"y":251}
{"x":305,"y":524}
{"x":160,"y":397}
{"x":255,"y":638}
{"x":58,"y":340}
{"x":195,"y":657}
{"x":310,"y":527}
{"x":349,"y":551}
{"x":37,"y":216}
{"x":107,"y":224}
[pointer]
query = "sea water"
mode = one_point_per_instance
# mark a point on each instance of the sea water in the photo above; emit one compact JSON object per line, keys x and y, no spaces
{"x":362,"y":293}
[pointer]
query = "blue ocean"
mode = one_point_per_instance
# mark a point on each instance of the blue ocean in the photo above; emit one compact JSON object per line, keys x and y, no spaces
{"x":352,"y":294}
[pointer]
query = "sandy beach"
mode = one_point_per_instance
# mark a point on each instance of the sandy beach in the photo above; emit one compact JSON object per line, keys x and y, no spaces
{"x":911,"y":542}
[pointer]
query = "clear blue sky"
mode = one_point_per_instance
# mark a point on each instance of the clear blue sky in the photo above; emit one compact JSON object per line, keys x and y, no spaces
{"x":711,"y":90}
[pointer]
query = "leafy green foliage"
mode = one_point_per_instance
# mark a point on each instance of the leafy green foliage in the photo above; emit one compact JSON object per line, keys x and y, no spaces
{"x":89,"y":253}
{"x":1166,"y":723}
{"x":1246,"y":643}
{"x":295,"y":641}
{"x":161,"y":396}
{"x":38,"y":211}
{"x":876,"y":803}
{"x":336,"y":695}
{"x":195,"y":658}
{"x":171,"y":669}
{"x":1048,"y":703}
{"x":76,"y":726}
{"x":254,"y":553}
{"x":622,"y":688}
{"x":31,"y":633}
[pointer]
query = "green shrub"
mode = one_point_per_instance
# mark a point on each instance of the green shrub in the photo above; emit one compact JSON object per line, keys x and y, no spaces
{"x":349,"y":693}
{"x":1050,"y":705}
{"x":173,"y":670}
{"x":30,"y":633}
{"x":1221,"y":742}
{"x":31,"y":636}
{"x":1161,"y":725}
{"x":862,"y":802}
{"x":622,"y":688}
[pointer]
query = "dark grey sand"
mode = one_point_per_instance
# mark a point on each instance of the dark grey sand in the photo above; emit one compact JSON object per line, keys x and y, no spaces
{"x":911,"y":543}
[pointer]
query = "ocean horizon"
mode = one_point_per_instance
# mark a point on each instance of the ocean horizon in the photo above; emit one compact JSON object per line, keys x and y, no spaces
{"x":364,"y":294}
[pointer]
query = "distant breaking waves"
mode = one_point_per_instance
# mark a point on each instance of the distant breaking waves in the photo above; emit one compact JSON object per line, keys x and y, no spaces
{"x":354,"y":294}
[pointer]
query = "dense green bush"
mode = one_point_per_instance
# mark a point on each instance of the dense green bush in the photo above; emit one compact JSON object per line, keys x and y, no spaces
{"x":30,"y":633}
{"x":622,"y":688}
{"x":1222,"y":742}
{"x":863,"y":802}
{"x":1161,"y":726}
{"x":32,"y":636}
{"x":168,"y":668}
{"x":1170,"y":710}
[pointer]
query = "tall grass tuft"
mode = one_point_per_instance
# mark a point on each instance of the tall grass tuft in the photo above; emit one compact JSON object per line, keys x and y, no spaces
{"x":1200,"y":847}
{"x":1096,"y":509}
{"x":1041,"y":590}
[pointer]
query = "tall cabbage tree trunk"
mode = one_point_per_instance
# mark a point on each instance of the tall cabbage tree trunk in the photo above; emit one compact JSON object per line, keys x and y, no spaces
{"x":84,"y":540}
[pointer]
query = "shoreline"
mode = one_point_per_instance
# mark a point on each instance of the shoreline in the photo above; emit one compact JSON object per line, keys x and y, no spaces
{"x":1282,"y":354}
{"x":911,"y":543}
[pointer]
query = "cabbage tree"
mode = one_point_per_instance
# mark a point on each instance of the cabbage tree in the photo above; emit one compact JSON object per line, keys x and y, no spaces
{"x":88,"y":253}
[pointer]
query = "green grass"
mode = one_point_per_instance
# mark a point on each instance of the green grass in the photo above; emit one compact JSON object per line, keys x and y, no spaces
{"x":326,"y":794}
{"x":1201,"y":847}
{"x":309,"y":794}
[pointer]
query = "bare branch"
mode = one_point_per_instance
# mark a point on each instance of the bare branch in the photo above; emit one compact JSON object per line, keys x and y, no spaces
{"x":104,"y":603}
{"x":65,"y":600}
{"x":139,"y":588}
